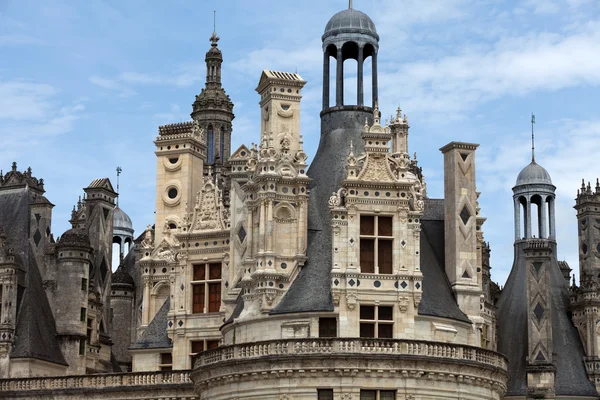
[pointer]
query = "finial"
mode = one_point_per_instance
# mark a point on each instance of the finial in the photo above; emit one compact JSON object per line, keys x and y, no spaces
{"x":14,"y":166}
{"x":351,"y":146}
{"x":214,"y":38}
{"x":376,"y":119}
{"x":119,"y":170}
{"x":399,"y":113}
{"x":215,"y":21}
{"x":532,"y":138}
{"x":350,"y":4}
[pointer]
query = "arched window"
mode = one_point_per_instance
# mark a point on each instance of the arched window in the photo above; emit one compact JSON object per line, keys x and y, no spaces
{"x":222,"y":144}
{"x":210,"y":144}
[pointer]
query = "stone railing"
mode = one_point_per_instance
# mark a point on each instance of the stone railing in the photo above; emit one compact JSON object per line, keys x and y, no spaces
{"x":342,"y":346}
{"x":95,"y":382}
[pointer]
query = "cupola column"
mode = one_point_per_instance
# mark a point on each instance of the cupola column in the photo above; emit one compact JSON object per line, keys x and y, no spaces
{"x":552,"y":224}
{"x":359,"y":90}
{"x":543,"y":219}
{"x":339,"y":79}
{"x":528,"y":217}
{"x":517,"y":219}
{"x":326,"y":56}
{"x":374,"y":74}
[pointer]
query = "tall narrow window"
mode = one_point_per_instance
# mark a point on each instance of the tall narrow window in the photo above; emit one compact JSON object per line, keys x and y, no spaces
{"x":0,"y":302}
{"x":81,"y":347}
{"x":206,"y":288}
{"x":210,"y":145}
{"x":376,"y":244}
{"x":376,"y":322}
{"x":82,"y":315}
{"x":222,"y":145}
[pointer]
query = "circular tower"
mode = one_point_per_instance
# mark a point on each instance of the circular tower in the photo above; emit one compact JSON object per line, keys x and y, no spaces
{"x":122,"y":232}
{"x":123,"y":292}
{"x":534,"y":192}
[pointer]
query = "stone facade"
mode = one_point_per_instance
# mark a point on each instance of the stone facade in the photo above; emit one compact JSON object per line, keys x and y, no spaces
{"x":264,"y":279}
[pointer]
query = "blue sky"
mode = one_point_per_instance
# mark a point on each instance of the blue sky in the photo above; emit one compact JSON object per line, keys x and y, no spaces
{"x":84,"y":86}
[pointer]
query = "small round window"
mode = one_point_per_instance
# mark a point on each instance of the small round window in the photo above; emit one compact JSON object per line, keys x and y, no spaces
{"x":174,"y":160}
{"x":172,"y":193}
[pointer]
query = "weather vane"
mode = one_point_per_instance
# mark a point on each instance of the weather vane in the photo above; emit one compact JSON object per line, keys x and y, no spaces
{"x":532,"y":138}
{"x":119,"y":170}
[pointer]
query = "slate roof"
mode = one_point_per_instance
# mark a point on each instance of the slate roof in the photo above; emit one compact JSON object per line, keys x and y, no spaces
{"x":35,"y":326}
{"x":571,"y":377}
{"x":155,"y":335}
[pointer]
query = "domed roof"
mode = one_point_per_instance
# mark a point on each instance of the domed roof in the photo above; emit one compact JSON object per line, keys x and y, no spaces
{"x":533,"y":174}
{"x":121,"y":221}
{"x":121,"y":277}
{"x":75,"y":236}
{"x":352,"y":21}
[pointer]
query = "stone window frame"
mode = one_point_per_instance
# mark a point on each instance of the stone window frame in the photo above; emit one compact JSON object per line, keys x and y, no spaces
{"x":376,"y":237}
{"x":207,"y":283}
{"x":377,"y":322}
{"x":376,"y":394}
{"x":325,"y":394}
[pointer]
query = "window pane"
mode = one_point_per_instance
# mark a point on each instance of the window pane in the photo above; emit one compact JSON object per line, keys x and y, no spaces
{"x":197,"y":346}
{"x":166,"y":358}
{"x":385,"y":226}
{"x":168,"y":368}
{"x":327,"y":327}
{"x":384,"y":256}
{"x":387,"y":395}
{"x":215,"y":271}
{"x":198,"y":298}
{"x":214,"y":297}
{"x":324,"y":394}
{"x":385,"y":331}
{"x":199,"y":273}
{"x":386,"y":313}
{"x":367,"y":330}
{"x":367,"y":255}
{"x":367,"y":225}
{"x":212,"y":344}
{"x":367,"y":312}
{"x":367,"y":394}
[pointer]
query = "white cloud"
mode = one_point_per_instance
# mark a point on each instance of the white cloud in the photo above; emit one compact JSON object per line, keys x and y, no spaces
{"x":21,"y":100}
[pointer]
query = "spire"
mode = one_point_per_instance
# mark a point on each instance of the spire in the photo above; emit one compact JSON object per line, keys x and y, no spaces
{"x":532,"y":138}
{"x":214,"y":38}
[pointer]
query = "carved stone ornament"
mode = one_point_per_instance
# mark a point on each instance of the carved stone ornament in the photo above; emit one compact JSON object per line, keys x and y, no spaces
{"x":167,"y":255}
{"x":336,"y":299}
{"x":147,"y":242}
{"x":403,"y":303}
{"x":351,"y":301}
{"x":347,"y":396}
{"x":209,"y":212}
{"x":334,"y":200}
{"x":197,"y":131}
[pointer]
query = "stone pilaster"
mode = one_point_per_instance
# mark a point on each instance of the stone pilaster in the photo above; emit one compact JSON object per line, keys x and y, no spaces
{"x":540,"y":368}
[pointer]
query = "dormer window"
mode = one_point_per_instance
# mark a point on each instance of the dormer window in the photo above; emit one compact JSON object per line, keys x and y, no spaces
{"x":376,"y":244}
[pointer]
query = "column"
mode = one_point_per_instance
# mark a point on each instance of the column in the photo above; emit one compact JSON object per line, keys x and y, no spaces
{"x":543,"y":219}
{"x":528,"y":218}
{"x":261,"y":228}
{"x":269,"y":224}
{"x":517,"y":219}
{"x":249,"y":229}
{"x":146,"y":304}
{"x":552,"y":221}
{"x":374,"y":72}
{"x":326,"y":79}
{"x":339,"y":79}
{"x":359,"y":90}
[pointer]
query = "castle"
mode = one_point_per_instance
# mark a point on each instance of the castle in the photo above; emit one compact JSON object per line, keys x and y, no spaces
{"x":264,"y":278}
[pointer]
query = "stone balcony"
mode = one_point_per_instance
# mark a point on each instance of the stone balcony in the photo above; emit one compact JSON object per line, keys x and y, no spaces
{"x":143,"y":385}
{"x":421,"y":368}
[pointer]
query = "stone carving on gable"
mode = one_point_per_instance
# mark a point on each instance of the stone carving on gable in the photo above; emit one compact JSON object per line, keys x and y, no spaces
{"x":376,"y":169}
{"x":209,"y":212}
{"x":148,"y":240}
{"x":197,"y":131}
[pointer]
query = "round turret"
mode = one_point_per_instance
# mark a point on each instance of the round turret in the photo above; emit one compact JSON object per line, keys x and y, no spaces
{"x":350,"y":21}
{"x":122,"y":225}
{"x":74,"y":237}
{"x":121,"y":277}
{"x":533,"y":174}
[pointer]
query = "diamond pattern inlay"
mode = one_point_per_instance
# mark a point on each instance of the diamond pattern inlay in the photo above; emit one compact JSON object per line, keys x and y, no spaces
{"x":180,"y":323}
{"x":404,"y":285}
{"x":351,"y":282}
{"x":336,"y":282}
{"x":465,"y":214}
{"x":242,"y":234}
{"x":37,"y":237}
{"x":539,"y":311}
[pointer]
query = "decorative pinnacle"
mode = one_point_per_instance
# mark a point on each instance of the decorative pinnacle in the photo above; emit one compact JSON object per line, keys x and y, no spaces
{"x":214,"y":38}
{"x":399,"y":113}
